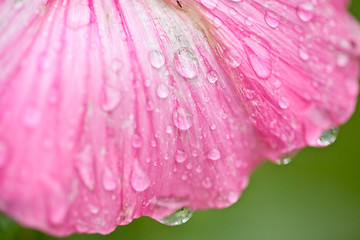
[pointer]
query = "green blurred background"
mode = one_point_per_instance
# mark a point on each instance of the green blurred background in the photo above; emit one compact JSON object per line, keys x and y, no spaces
{"x":315,"y":197}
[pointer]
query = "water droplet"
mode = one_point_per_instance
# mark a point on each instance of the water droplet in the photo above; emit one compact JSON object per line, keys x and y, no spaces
{"x":284,"y":103}
{"x":206,"y":182}
{"x":93,"y":209}
{"x":210,"y":4}
{"x":182,"y":118}
{"x":249,"y":21}
{"x":162,"y":91}
{"x":232,"y":58}
{"x":156,"y":58}
{"x":260,"y":60}
{"x":303,"y":54}
{"x":84,"y":165}
{"x":186,"y":63}
{"x":271,"y":20}
{"x":342,"y":59}
{"x":287,"y":158}
{"x":139,"y":179}
{"x":214,"y":154}
{"x":110,"y":98}
{"x":328,"y":137}
{"x":233,"y":197}
{"x":58,"y":206}
{"x":305,"y":11}
{"x":108,"y":180}
{"x":179,"y":217}
{"x":18,"y":4}
{"x":180,"y":156}
{"x":31,"y":117}
{"x":136,"y":141}
{"x":3,"y":154}
{"x":212,"y":76}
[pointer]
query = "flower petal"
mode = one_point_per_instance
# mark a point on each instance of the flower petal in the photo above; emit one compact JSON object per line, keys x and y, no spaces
{"x":116,"y":110}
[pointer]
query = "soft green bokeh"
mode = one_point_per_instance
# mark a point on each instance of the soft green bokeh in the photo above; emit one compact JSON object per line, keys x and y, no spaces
{"x":315,"y":197}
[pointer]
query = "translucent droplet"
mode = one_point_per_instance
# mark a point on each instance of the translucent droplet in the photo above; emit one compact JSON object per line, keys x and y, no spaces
{"x":305,"y":11}
{"x":233,"y":197}
{"x":110,"y":98}
{"x":214,"y":154}
{"x":108,"y":180}
{"x":180,"y":156}
{"x":3,"y":154}
{"x":287,"y":158}
{"x":232,"y":58}
{"x":162,"y":91}
{"x":207,"y":182}
{"x":182,"y":118}
{"x":58,"y":207}
{"x":212,"y":76}
{"x":84,"y":166}
{"x":156,"y":58}
{"x":93,"y":209}
{"x":179,"y":217}
{"x":136,"y":141}
{"x":328,"y":137}
{"x":260,"y":62}
{"x":271,"y":20}
{"x":284,"y":103}
{"x":139,"y":179}
{"x":186,"y":63}
{"x":303,"y":54}
{"x":210,"y":4}
{"x":249,"y":21}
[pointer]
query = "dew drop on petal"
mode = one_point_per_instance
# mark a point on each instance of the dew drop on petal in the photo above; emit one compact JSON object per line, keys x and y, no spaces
{"x":185,"y":62}
{"x":212,"y":76}
{"x":182,"y":118}
{"x":84,"y":165}
{"x":179,"y":217}
{"x":214,"y":154}
{"x":287,"y":158}
{"x":305,"y":11}
{"x":3,"y":153}
{"x":162,"y":91}
{"x":303,"y":54}
{"x":233,"y":197}
{"x":284,"y":103}
{"x":139,"y":179}
{"x":156,"y":58}
{"x":108,"y":180}
{"x":210,"y":4}
{"x":110,"y":98}
{"x":271,"y":20}
{"x":136,"y":141}
{"x":328,"y":137}
{"x":206,"y":182}
{"x":180,"y":156}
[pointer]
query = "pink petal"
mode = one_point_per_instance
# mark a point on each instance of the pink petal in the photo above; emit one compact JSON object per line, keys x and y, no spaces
{"x":115,"y":110}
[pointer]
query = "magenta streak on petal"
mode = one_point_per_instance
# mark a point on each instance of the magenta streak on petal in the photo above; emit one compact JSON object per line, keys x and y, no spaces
{"x":113,"y":110}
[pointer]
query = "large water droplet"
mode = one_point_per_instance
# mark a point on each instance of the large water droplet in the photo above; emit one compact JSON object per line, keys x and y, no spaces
{"x":214,"y":154}
{"x":110,"y":98}
{"x":139,"y":179}
{"x":328,"y":137}
{"x":108,"y":180}
{"x":180,"y":156}
{"x":156,"y":58}
{"x":182,"y":118}
{"x":186,"y":63}
{"x":212,"y":76}
{"x":179,"y":217}
{"x":305,"y":11}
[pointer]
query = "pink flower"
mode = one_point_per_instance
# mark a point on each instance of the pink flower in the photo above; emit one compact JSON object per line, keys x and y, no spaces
{"x":113,"y":110}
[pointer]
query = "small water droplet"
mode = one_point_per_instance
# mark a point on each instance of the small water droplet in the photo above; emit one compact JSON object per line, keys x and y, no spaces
{"x":206,"y":182}
{"x":305,"y":11}
{"x":93,"y":209}
{"x":108,"y":180}
{"x":180,"y":156}
{"x":249,"y":21}
{"x":182,"y":118}
{"x":287,"y":158}
{"x":179,"y":217}
{"x":284,"y":103}
{"x":156,"y":58}
{"x":58,"y":207}
{"x":271,"y":20}
{"x":3,"y":154}
{"x":303,"y":54}
{"x":139,"y":179}
{"x":210,"y":4}
{"x":162,"y":91}
{"x":185,"y":62}
{"x":342,"y":59}
{"x":84,"y":165}
{"x":232,"y":58}
{"x":136,"y":141}
{"x":214,"y":154}
{"x":328,"y":137}
{"x":110,"y":98}
{"x":212,"y":76}
{"x":233,"y":197}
